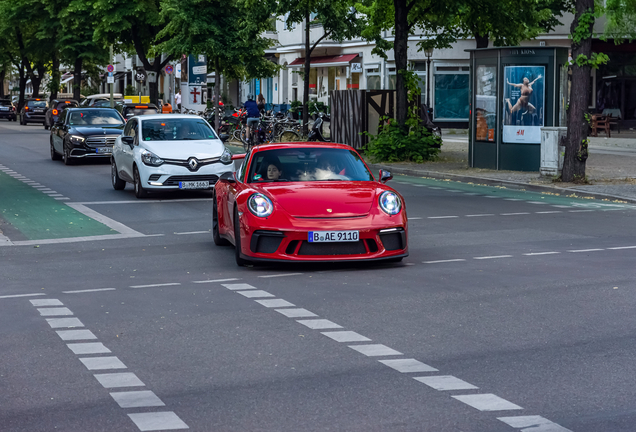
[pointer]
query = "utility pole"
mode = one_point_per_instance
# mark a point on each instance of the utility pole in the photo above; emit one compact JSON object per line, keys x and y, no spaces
{"x":112,"y":101}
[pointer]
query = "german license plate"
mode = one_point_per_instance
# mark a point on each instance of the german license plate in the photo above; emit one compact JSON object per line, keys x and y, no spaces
{"x":38,"y":111}
{"x":104,"y":150}
{"x":194,"y":185}
{"x":4,"y":108}
{"x":333,"y":236}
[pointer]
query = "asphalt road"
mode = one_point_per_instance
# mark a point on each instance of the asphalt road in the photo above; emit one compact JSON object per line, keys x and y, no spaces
{"x":514,"y":311}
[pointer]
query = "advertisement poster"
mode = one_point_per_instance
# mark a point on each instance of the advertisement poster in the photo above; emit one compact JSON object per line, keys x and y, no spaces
{"x":486,"y":103}
{"x":524,"y":104}
{"x":194,"y":86}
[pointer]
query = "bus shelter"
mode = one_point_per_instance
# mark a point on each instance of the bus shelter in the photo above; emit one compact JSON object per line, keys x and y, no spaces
{"x":515,"y":91}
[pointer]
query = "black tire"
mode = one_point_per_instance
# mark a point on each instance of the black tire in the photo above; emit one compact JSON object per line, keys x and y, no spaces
{"x":140,"y":192}
{"x":218,"y":240}
{"x":66,"y":157}
{"x":237,"y":241}
{"x":118,"y":183}
{"x":54,"y":155}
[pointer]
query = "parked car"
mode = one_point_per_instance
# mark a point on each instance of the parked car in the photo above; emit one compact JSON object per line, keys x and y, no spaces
{"x":128,"y":110}
{"x":55,"y":108}
{"x":165,"y":152}
{"x":85,"y":133}
{"x":7,"y":110}
{"x":100,"y":100}
{"x":34,"y":111}
{"x":308,"y":202}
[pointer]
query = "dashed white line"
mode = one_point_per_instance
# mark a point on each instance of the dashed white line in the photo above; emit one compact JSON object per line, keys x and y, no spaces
{"x":88,"y":348}
{"x":442,"y":217}
{"x":445,"y":382}
{"x":102,"y":363}
{"x":492,"y":257}
{"x":487,"y":402}
{"x":155,"y":285}
{"x":513,"y":199}
{"x":215,"y":280}
{"x":585,"y":250}
{"x":121,"y":379}
{"x":549,"y":212}
{"x":408,"y":365}
{"x":533,"y":423}
{"x":414,"y":218}
{"x":480,"y":215}
{"x":274,"y":303}
{"x":192,"y":232}
{"x":515,"y":214}
{"x":541,"y":253}
{"x":64,"y":322}
{"x":319,"y":324}
{"x":580,"y":211}
{"x":296,"y":313}
{"x":21,"y":295}
{"x":236,"y":287}
{"x":622,"y":247}
{"x":137,"y":399}
{"x":88,"y":290}
{"x":156,"y":421}
{"x":280,"y":275}
{"x":72,"y":335}
{"x":346,"y":336}
{"x":375,"y":350}
{"x":443,"y":261}
{"x":255,"y":293}
{"x":46,"y":302}
{"x":535,"y":202}
{"x":490,"y":196}
{"x":55,"y":311}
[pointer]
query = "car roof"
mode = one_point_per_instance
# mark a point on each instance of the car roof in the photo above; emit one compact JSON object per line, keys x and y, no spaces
{"x":305,"y":144}
{"x":169,"y":117}
{"x":90,"y":108}
{"x":131,"y":104}
{"x":104,"y":95}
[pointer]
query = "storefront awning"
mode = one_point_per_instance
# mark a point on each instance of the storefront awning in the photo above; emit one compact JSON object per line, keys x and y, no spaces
{"x":325,"y":61}
{"x":65,"y":80}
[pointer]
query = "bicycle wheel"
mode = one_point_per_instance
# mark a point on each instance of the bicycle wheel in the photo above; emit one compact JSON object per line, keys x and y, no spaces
{"x":289,"y":136}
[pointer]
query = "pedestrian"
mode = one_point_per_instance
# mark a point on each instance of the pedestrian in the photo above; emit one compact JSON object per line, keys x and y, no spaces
{"x":253,"y":115}
{"x":177,"y":100}
{"x":260,"y":102}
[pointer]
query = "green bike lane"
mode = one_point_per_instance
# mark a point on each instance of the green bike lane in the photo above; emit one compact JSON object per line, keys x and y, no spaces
{"x":28,"y":214}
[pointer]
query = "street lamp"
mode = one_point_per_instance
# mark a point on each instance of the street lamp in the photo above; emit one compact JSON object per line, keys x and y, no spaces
{"x":429,"y":54}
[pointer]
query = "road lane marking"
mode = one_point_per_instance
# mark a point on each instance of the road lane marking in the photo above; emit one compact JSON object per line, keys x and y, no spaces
{"x":579,"y":211}
{"x":415,"y":218}
{"x":55,"y":311}
{"x":442,"y":217}
{"x":46,"y":302}
{"x":536,"y":202}
{"x":513,"y":199}
{"x":585,"y":250}
{"x":280,"y":275}
{"x":235,"y":287}
{"x":110,"y":223}
{"x":274,"y":303}
{"x":121,"y":379}
{"x":541,"y":253}
{"x":319,"y":324}
{"x":137,"y":399}
{"x":443,"y":261}
{"x":549,"y":212}
{"x":85,"y":203}
{"x":255,"y":293}
{"x":375,"y":350}
{"x":408,"y":365}
{"x":533,"y":423}
{"x":64,"y":322}
{"x":21,"y":295}
{"x":80,"y":239}
{"x":492,"y":257}
{"x":487,"y":402}
{"x":72,"y":335}
{"x":88,"y":290}
{"x":88,"y":348}
{"x":296,"y":313}
{"x":156,"y":421}
{"x":155,"y":285}
{"x":216,"y":280}
{"x":490,"y":196}
{"x":515,"y":214}
{"x":192,"y":232}
{"x":480,"y":215}
{"x":346,"y":336}
{"x":622,"y":247}
{"x":445,"y":382}
{"x":102,"y":363}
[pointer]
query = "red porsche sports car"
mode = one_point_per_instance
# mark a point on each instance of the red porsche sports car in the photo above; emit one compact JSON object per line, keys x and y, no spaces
{"x":308,"y":202}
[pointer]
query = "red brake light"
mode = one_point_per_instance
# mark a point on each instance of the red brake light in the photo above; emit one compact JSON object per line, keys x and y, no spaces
{"x":163,"y":124}
{"x":37,"y":99}
{"x":141,"y":106}
{"x":26,"y":108}
{"x":54,"y":112}
{"x":67,"y":101}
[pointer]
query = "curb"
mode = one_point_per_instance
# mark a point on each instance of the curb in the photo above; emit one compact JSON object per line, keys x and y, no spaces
{"x":496,"y":182}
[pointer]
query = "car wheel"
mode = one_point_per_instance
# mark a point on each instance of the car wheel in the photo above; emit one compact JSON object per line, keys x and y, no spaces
{"x":66,"y":156}
{"x":140,"y":192}
{"x":218,"y":240}
{"x":54,"y":155}
{"x":237,"y":241}
{"x":118,"y":183}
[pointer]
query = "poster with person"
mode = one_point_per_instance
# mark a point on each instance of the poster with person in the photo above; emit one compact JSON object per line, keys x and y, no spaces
{"x":523,"y":104}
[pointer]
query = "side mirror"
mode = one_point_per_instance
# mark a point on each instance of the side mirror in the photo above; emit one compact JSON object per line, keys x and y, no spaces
{"x":224,"y":137}
{"x":385,"y":176}
{"x":128,"y":140}
{"x":228,"y":177}
{"x":238,"y":156}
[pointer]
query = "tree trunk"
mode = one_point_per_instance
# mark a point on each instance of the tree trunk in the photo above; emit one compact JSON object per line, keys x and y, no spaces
{"x":23,"y":80}
{"x":217,"y":95}
{"x":77,"y":79}
{"x":55,"y":75}
{"x":481,"y":41}
{"x":36,"y":80}
{"x":578,"y":127}
{"x":400,"y":47}
{"x":3,"y":73}
{"x":153,"y":87}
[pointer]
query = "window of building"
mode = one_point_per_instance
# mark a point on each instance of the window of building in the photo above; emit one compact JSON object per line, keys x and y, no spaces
{"x":391,"y":78}
{"x":373,"y":78}
{"x":451,"y":92}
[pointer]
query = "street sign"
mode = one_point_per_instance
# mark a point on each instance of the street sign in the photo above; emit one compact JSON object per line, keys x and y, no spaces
{"x":140,"y":76}
{"x":168,"y":69}
{"x":110,"y":68}
{"x":110,"y":79}
{"x":356,"y":68}
{"x":152,"y":77}
{"x":178,"y":70}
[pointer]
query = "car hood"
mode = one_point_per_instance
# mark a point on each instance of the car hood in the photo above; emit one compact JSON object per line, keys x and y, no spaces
{"x":183,"y":150}
{"x":97,"y":130}
{"x":330,"y":199}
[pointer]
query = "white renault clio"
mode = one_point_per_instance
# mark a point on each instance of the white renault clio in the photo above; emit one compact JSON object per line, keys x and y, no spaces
{"x":168,"y":152}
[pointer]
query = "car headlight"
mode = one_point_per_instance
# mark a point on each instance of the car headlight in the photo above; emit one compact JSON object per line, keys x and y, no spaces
{"x":260,"y":205}
{"x":77,"y":139}
{"x":390,"y":203}
{"x":149,"y":158}
{"x":226,"y":157}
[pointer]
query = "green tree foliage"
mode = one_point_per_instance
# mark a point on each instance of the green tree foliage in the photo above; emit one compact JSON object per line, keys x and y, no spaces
{"x":621,"y":20}
{"x":338,"y":20}
{"x":229,"y":32}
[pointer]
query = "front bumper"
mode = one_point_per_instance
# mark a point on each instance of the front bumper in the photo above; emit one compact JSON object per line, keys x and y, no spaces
{"x":168,"y":177}
{"x":7,"y":114}
{"x":93,"y":147}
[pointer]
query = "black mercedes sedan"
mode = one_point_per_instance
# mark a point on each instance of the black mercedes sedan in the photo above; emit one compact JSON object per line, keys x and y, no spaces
{"x":85,"y":133}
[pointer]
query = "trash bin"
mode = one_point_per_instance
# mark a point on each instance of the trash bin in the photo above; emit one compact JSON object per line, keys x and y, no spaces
{"x":551,"y":150}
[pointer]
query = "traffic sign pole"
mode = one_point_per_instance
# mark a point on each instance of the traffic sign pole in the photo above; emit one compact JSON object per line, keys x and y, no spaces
{"x":112,"y":99}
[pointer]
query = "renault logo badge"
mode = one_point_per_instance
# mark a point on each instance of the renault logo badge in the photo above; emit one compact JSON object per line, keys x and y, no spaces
{"x":193,"y":163}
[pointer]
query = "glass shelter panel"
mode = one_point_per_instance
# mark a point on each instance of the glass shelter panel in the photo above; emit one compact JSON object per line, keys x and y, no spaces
{"x":486,"y":102}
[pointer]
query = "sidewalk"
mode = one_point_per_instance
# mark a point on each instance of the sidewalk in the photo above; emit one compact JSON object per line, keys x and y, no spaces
{"x":611,"y":169}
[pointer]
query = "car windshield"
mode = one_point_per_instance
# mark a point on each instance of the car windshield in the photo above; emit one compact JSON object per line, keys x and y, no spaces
{"x":36,"y":104}
{"x":176,"y":129}
{"x":140,"y":111}
{"x":94,"y":117}
{"x":308,"y":164}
